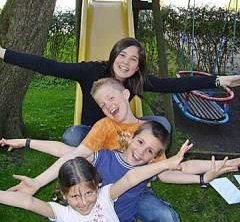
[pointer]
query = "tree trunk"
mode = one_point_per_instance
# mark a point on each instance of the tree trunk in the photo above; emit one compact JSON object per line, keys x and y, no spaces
{"x":24,"y":26}
{"x":163,"y":68}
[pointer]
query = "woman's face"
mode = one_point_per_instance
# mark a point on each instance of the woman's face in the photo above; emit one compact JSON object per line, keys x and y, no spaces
{"x":82,"y":198}
{"x":126,"y":63}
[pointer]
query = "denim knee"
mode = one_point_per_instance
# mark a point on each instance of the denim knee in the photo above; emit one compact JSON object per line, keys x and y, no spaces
{"x":152,"y":209}
{"x":74,"y":135}
{"x":160,"y":119}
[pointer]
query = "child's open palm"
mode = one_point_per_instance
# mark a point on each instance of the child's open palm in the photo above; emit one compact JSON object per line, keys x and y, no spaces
{"x":174,"y":161}
{"x":218,"y":169}
{"x":27,"y":185}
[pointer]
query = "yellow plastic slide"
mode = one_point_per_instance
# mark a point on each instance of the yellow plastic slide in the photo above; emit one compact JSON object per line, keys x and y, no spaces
{"x":103,"y":23}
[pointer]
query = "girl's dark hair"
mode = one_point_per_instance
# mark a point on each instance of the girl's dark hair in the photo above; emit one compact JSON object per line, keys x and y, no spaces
{"x":134,"y":83}
{"x":75,"y":171}
{"x":158,"y":131}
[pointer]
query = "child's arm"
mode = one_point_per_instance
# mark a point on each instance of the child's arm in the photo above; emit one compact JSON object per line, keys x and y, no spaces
{"x":139,"y":174}
{"x":59,"y":149}
{"x":26,"y":201}
{"x":218,"y":169}
{"x":178,"y":177}
{"x":201,"y":166}
{"x":31,"y":186}
{"x":212,"y":170}
{"x":54,"y":148}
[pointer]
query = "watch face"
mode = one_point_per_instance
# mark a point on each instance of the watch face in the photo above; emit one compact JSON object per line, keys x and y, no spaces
{"x":204,"y":185}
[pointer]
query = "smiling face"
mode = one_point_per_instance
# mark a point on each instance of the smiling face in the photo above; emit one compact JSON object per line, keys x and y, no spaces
{"x":126,"y":63}
{"x":78,"y":182}
{"x":143,"y":148}
{"x":113,"y":102}
{"x":82,"y":198}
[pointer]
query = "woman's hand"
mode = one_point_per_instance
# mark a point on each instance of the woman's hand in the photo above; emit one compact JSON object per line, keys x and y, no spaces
{"x":13,"y":143}
{"x":230,"y":81}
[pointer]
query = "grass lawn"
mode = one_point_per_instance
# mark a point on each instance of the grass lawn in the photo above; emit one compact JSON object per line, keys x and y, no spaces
{"x":48,"y":111}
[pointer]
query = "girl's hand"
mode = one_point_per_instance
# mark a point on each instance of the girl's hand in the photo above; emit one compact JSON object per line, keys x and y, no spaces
{"x":174,"y":161}
{"x":218,"y":169}
{"x":13,"y":143}
{"x":27,"y":185}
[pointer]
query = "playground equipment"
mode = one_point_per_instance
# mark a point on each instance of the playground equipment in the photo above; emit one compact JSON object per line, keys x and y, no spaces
{"x":206,"y":106}
{"x":210,"y":106}
{"x":103,"y":23}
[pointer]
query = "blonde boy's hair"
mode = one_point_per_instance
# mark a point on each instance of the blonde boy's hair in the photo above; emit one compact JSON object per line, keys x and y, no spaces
{"x":106,"y":82}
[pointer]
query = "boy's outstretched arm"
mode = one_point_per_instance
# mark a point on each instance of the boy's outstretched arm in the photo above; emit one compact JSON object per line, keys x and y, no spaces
{"x":26,"y":201}
{"x":54,"y":148}
{"x":218,"y":169}
{"x":211,"y":169}
{"x":201,"y":166}
{"x":29,"y":185}
{"x":139,"y":174}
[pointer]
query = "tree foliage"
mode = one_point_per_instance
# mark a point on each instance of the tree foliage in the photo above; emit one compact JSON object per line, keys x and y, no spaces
{"x":210,"y":35}
{"x":212,"y":40}
{"x":61,"y":36}
{"x":61,"y":45}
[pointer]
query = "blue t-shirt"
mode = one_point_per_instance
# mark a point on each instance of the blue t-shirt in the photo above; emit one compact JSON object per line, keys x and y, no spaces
{"x":111,"y":167}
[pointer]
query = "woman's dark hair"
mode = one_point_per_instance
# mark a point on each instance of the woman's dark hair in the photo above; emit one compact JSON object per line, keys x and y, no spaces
{"x":134,"y":83}
{"x":75,"y":171}
{"x":158,"y":131}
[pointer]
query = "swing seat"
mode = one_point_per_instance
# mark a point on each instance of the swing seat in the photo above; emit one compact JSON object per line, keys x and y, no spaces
{"x":199,"y":109}
{"x":207,"y":106}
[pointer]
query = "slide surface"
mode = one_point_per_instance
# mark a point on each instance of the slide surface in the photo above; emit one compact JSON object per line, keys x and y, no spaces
{"x":103,"y":23}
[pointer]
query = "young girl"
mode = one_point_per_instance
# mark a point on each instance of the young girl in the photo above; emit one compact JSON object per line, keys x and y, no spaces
{"x":79,"y":184}
{"x":127,"y":63}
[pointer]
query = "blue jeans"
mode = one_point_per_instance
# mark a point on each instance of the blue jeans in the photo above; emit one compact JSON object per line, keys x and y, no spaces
{"x":152,"y":209}
{"x":74,"y":135}
{"x":160,"y":119}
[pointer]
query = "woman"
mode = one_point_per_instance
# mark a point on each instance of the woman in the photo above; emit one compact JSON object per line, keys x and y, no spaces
{"x":127,"y":63}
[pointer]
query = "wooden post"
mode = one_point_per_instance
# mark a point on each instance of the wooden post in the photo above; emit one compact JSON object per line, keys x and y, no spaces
{"x":163,"y":68}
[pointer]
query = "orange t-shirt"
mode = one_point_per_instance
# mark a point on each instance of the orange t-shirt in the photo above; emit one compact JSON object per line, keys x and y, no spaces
{"x":109,"y":134}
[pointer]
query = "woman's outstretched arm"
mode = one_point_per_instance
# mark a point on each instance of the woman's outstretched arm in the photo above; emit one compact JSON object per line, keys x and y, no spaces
{"x":45,"y":66}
